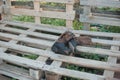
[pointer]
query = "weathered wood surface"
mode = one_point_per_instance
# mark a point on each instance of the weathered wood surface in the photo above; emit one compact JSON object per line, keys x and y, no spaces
{"x":25,"y":49}
{"x":38,"y":12}
{"x":15,"y":72}
{"x":56,"y":1}
{"x":37,"y":8}
{"x":71,"y":60}
{"x":100,"y":20}
{"x":37,"y":74}
{"x":44,"y":41}
{"x":28,"y":12}
{"x":58,"y":30}
{"x":61,"y":71}
{"x":102,"y":3}
{"x":86,"y":11}
{"x":4,"y":78}
{"x":110,"y":74}
{"x":49,"y":37}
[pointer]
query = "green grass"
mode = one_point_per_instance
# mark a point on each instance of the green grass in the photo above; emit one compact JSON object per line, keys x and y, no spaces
{"x":52,"y":21}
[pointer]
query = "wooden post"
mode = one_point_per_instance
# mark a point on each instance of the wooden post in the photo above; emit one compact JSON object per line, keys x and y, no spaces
{"x":110,"y":74}
{"x":86,"y":12}
{"x":37,"y":74}
{"x":1,"y":9}
{"x":53,"y":76}
{"x":4,"y":78}
{"x":37,"y":8}
{"x":69,"y":23}
{"x":7,"y":13}
{"x":1,"y":61}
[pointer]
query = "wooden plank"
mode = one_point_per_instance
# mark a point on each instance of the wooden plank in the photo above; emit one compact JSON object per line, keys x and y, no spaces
{"x":53,"y":76}
{"x":15,"y":72}
{"x":40,"y":35}
{"x":21,"y":61}
{"x":37,"y":8}
{"x":1,"y":61}
{"x":50,"y":43}
{"x":100,"y":20}
{"x":4,"y":78}
{"x":86,"y":11}
{"x":44,"y":43}
{"x":55,"y":1}
{"x":101,"y":3}
{"x":61,"y":71}
{"x":90,"y":50}
{"x":7,"y":10}
{"x":28,"y":12}
{"x":56,"y":70}
{"x":56,"y":30}
{"x":63,"y":58}
{"x":37,"y":74}
{"x":69,"y":9}
{"x":1,"y":9}
{"x":75,"y":74}
{"x":110,"y":74}
{"x":104,"y":42}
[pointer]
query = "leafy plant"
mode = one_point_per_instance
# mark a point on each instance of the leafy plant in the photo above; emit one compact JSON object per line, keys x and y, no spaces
{"x":77,"y":25}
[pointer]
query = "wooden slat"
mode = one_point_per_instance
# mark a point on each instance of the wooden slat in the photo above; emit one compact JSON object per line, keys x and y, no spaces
{"x":55,"y":30}
{"x":28,"y":12}
{"x":102,"y":3}
{"x":79,"y":48}
{"x":7,"y":15}
{"x":53,"y":76}
{"x":4,"y":78}
{"x":55,"y":1}
{"x":41,"y":35}
{"x":15,"y":72}
{"x":106,"y":42}
{"x":76,"y":74}
{"x":39,"y":42}
{"x":86,"y":11}
{"x":61,"y":71}
{"x":37,"y":8}
{"x":99,"y":51}
{"x":21,"y":61}
{"x":1,"y":9}
{"x":100,"y":20}
{"x":69,"y":9}
{"x":1,"y":61}
{"x":68,"y":59}
{"x":37,"y":74}
{"x":110,"y":74}
{"x":49,"y":43}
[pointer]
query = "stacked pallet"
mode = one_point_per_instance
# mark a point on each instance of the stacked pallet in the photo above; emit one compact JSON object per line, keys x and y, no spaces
{"x":23,"y":38}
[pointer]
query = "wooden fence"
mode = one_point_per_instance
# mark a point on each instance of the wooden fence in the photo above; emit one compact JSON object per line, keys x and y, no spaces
{"x":38,"y":12}
{"x":18,"y":39}
{"x":88,"y":16}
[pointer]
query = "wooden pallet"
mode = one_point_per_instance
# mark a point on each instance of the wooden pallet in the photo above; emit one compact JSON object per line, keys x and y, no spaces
{"x":88,"y":17}
{"x":27,"y":38}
